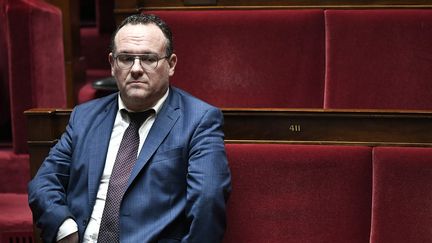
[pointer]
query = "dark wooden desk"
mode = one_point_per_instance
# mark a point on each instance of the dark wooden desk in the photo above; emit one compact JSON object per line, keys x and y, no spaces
{"x":294,"y":126}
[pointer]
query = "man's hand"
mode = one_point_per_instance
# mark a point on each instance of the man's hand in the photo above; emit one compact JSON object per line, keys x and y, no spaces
{"x":72,"y":238}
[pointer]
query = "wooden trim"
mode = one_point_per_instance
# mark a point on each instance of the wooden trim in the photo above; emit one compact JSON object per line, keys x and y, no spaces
{"x":121,"y":12}
{"x":314,"y":126}
{"x":322,"y":126}
{"x":192,"y":8}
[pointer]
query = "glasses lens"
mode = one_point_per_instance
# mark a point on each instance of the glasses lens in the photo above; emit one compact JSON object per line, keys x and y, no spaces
{"x":125,"y":61}
{"x":147,"y":61}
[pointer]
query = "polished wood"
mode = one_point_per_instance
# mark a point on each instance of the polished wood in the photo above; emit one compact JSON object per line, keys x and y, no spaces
{"x":199,"y":2}
{"x":266,"y":3}
{"x":293,"y":126}
{"x":347,"y":127}
{"x":45,"y":126}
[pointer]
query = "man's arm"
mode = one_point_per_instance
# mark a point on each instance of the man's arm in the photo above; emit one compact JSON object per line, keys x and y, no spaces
{"x":47,"y":190}
{"x":208,"y":181}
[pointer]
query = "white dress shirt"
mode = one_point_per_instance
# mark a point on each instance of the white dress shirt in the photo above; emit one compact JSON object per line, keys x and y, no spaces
{"x":121,"y":122}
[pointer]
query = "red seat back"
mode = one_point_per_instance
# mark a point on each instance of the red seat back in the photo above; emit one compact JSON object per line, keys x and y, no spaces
{"x":378,"y":59}
{"x":36,"y":73}
{"x":243,"y":58}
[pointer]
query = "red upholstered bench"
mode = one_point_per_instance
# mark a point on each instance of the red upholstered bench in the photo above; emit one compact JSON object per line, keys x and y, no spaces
{"x":299,"y":193}
{"x":32,"y":68}
{"x":15,"y":218}
{"x":378,"y":59}
{"x":402,"y":195}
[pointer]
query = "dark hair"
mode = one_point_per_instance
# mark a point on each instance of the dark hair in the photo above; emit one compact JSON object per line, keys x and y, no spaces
{"x":147,"y":19}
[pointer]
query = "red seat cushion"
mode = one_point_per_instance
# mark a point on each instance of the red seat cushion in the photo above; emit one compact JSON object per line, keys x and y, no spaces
{"x":14,"y":171}
{"x":299,"y":193}
{"x":402,"y":195}
{"x":15,"y":213}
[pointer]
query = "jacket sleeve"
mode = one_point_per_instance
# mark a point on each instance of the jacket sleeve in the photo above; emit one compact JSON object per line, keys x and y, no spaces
{"x":47,"y":190}
{"x":208,"y":181}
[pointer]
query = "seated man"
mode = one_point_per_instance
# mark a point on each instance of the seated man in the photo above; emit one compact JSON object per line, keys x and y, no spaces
{"x":146,"y":164}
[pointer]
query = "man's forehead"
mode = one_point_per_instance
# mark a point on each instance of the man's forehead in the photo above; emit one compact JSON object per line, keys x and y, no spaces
{"x":140,"y":35}
{"x":139,"y":31}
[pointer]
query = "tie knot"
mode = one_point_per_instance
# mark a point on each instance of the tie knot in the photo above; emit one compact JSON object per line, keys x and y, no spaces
{"x":138,"y":117}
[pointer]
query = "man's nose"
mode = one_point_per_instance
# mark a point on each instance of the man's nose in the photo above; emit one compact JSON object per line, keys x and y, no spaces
{"x":137,"y":70}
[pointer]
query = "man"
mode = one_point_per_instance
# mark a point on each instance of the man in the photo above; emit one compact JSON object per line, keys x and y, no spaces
{"x":180,"y":181}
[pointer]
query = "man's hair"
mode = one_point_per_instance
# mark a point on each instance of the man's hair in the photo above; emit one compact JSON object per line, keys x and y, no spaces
{"x":147,"y":19}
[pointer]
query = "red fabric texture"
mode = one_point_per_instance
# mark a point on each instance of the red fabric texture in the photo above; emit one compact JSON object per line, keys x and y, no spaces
{"x":15,"y":214}
{"x":242,"y":58}
{"x":14,"y":171}
{"x":402,"y":195}
{"x":378,"y":59}
{"x":299,"y":193}
{"x":95,"y":47}
{"x":36,"y":62}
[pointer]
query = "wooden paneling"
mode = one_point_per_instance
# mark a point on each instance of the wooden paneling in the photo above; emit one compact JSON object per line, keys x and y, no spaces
{"x":362,"y":127}
{"x":344,"y":127}
{"x":45,"y":126}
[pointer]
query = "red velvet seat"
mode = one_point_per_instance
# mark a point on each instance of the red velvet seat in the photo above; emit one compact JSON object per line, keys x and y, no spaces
{"x":36,"y":74}
{"x":402,"y":195}
{"x":243,"y":58}
{"x":378,"y":59}
{"x":32,"y":68}
{"x":15,"y":219}
{"x":17,"y":216}
{"x":299,"y":193}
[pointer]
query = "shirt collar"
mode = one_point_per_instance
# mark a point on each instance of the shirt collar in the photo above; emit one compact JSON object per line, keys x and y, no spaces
{"x":157,"y":107}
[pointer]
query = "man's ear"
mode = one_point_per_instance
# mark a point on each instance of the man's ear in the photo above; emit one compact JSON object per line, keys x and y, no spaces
{"x":172,"y":61}
{"x":111,"y":61}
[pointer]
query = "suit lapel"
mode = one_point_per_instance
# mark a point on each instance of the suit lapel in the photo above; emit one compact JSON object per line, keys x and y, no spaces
{"x":163,"y":124}
{"x":100,"y":137}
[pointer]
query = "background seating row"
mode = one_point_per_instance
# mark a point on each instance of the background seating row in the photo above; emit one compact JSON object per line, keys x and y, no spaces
{"x":32,"y":74}
{"x":351,"y":59}
{"x":314,"y":193}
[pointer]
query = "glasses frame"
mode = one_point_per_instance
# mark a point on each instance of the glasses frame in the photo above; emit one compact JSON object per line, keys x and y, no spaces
{"x":137,"y":56}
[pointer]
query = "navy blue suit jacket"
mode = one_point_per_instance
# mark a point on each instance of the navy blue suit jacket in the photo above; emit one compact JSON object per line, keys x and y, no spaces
{"x":177,"y":190}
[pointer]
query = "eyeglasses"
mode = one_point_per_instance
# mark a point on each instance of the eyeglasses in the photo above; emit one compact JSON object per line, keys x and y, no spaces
{"x":147,"y":61}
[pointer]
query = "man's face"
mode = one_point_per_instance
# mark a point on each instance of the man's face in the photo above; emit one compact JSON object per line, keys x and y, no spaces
{"x":141,"y":87}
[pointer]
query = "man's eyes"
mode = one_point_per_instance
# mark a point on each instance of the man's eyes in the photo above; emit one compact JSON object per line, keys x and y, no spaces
{"x":146,"y":58}
{"x":127,"y":58}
